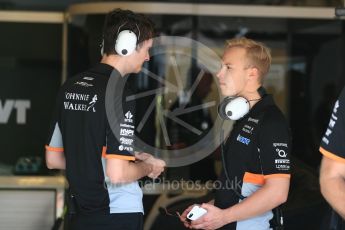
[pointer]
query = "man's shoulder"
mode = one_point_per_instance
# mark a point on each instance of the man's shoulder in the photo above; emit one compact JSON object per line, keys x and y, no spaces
{"x":341,"y":98}
{"x":272,"y":111}
{"x":86,"y":79}
{"x":274,"y":117}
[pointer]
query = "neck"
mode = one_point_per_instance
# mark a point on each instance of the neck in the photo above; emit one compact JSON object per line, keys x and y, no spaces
{"x":116,"y":62}
{"x":252,"y":96}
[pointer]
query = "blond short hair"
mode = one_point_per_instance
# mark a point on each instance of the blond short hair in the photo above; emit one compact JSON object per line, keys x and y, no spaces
{"x":258,"y":55}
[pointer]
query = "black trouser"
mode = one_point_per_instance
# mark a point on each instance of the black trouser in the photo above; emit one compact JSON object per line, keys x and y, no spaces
{"x":115,"y":221}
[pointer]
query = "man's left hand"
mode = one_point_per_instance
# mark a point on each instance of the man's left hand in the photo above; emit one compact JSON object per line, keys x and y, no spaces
{"x":213,"y":219}
{"x":141,"y":156}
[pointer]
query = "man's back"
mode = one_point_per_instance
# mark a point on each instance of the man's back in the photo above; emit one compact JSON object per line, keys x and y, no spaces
{"x":87,"y":138}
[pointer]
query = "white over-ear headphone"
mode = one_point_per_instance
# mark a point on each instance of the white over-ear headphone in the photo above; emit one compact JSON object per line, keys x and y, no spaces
{"x":126,"y":41}
{"x":234,"y":108}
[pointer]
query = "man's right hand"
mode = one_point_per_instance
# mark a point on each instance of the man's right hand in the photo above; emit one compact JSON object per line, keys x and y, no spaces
{"x":183,"y":216}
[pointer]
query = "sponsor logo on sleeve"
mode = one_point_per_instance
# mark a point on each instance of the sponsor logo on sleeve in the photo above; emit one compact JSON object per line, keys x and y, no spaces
{"x":332,"y":122}
{"x":282,"y":163}
{"x":283,"y":167}
{"x":336,"y":106}
{"x":281,"y":152}
{"x":126,"y":132}
{"x":325,"y":140}
{"x":127,"y":126}
{"x":125,"y":148}
{"x":281,"y":149}
{"x":128,"y":117}
{"x":126,"y":141}
{"x":280,"y":145}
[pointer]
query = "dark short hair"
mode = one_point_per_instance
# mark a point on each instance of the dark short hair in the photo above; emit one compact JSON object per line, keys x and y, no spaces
{"x":119,"y":20}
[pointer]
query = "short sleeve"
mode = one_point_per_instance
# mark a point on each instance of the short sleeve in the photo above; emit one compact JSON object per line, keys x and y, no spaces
{"x":274,"y":145}
{"x":121,"y":144}
{"x":333,"y":141}
{"x":54,"y":142}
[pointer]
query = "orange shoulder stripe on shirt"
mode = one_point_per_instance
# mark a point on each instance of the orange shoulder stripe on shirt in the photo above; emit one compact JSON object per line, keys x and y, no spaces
{"x":331,"y":155}
{"x":54,"y":149}
{"x":115,"y":156}
{"x":278,"y":175}
{"x":253,"y":178}
{"x":104,"y":150}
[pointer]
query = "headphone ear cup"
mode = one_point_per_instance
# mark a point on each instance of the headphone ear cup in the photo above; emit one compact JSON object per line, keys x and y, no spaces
{"x":237,"y":108}
{"x":126,"y":43}
{"x":233,"y":108}
{"x":222,"y":106}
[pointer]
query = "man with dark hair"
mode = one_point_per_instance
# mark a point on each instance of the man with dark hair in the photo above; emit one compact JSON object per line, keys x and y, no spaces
{"x":102,"y":170}
{"x":120,"y":20}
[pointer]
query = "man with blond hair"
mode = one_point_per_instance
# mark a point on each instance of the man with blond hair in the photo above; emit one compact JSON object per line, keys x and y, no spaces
{"x":256,"y":174}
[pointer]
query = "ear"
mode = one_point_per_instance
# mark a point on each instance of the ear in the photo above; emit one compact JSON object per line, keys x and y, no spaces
{"x":253,"y":74}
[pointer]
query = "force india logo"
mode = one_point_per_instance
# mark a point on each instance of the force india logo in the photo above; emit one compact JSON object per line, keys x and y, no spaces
{"x":128,"y":117}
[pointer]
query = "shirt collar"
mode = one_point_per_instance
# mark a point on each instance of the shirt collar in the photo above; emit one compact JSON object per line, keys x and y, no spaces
{"x":266,"y":101}
{"x":103,"y":68}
